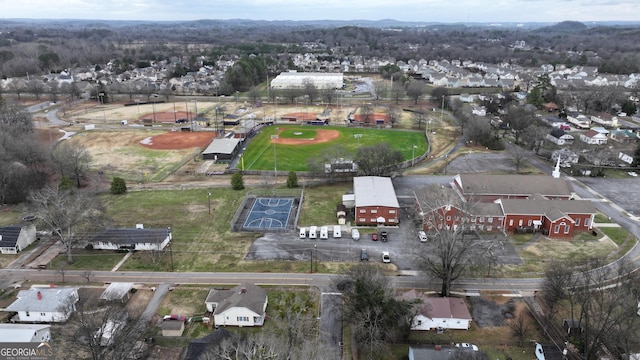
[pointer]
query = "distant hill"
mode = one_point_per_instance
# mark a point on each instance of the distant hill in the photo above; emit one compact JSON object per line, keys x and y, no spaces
{"x":565,"y":26}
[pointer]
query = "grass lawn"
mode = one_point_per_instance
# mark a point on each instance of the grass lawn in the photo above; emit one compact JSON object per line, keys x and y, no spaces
{"x":10,"y":215}
{"x":260,"y":152}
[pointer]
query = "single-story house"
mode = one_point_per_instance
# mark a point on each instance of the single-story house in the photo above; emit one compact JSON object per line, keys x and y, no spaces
{"x":375,"y":201}
{"x":14,"y":239}
{"x":431,"y":352}
{"x":45,"y":304}
{"x":436,"y":312}
{"x":131,"y":239}
{"x":243,"y":305}
{"x":223,"y":149}
{"x":593,"y":137}
{"x":25,"y":333}
{"x":624,"y":136}
{"x":560,"y":137}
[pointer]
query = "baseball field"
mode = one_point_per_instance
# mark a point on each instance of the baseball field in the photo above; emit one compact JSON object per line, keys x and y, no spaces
{"x":290,"y":146}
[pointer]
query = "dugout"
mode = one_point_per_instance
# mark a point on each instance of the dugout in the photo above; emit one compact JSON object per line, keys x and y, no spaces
{"x":222,"y":149}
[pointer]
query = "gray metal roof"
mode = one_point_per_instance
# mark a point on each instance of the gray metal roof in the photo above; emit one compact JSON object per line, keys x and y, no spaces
{"x":131,"y":236}
{"x":222,"y":146}
{"x":19,"y":332}
{"x":553,"y":209}
{"x":517,"y":185}
{"x":52,"y":299}
{"x":253,"y":298}
{"x":374,"y":191}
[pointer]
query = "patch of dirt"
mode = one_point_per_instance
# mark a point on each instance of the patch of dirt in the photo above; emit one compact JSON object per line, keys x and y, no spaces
{"x":489,"y":313}
{"x":167,"y":116}
{"x":179,"y":140}
{"x":322,"y":136}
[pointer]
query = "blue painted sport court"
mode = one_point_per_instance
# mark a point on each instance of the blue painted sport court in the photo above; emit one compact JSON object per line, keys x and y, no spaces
{"x":269,"y":213}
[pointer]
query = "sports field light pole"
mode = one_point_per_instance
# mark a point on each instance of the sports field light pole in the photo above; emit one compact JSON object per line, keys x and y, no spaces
{"x":275,"y":159}
{"x":357,"y":136}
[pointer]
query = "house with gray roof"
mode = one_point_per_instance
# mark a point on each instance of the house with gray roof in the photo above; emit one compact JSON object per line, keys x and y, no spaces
{"x":137,"y":238}
{"x":488,"y":188}
{"x":375,"y":201}
{"x":43,"y":305}
{"x":14,"y":239}
{"x":243,"y":305}
{"x":22,"y":333}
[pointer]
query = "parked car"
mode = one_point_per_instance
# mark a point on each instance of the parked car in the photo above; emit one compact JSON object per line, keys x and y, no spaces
{"x":423,"y":236}
{"x":466,"y":346}
{"x":363,"y":255}
{"x":337,"y":231}
{"x":385,"y":257}
{"x":324,"y":232}
{"x":374,"y":237}
{"x":383,"y":235}
{"x":355,"y":234}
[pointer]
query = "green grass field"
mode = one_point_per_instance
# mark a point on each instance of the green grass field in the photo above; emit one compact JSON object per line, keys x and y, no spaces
{"x":259,"y":154}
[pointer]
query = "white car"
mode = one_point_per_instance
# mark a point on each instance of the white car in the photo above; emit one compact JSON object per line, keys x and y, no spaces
{"x":466,"y":346}
{"x":632,"y":173}
{"x":385,"y":257}
{"x":423,"y":236}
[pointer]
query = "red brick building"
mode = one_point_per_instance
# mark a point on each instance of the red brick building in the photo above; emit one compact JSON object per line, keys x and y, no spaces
{"x":375,"y":201}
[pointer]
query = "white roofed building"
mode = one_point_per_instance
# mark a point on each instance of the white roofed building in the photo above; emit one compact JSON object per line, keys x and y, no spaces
{"x":375,"y":201}
{"x":297,"y":80}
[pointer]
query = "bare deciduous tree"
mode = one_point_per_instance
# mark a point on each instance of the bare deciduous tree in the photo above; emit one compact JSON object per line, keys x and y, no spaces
{"x":73,"y":161}
{"x":67,"y":214}
{"x":520,"y":326}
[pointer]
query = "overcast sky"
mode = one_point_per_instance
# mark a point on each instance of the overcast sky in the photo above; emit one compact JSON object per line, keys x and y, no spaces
{"x":407,"y":10}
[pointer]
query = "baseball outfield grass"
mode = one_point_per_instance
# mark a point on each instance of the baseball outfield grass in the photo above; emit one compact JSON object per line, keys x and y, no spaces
{"x":259,"y":154}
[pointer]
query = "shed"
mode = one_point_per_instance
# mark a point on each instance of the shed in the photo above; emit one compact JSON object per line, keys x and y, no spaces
{"x":172,"y":327}
{"x":117,"y":292}
{"x":25,"y":333}
{"x":14,"y":239}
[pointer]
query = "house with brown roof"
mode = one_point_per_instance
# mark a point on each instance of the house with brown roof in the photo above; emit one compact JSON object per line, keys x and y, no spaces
{"x":593,"y":137}
{"x":436,"y":312}
{"x":243,"y":305}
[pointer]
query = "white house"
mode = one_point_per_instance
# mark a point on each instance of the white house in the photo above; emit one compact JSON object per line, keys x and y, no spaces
{"x":560,"y":137}
{"x":625,"y":158}
{"x":14,"y":239}
{"x":132,"y":239}
{"x":25,"y":333}
{"x":434,"y":313}
{"x":243,"y":305}
{"x":593,"y":137}
{"x":45,"y":304}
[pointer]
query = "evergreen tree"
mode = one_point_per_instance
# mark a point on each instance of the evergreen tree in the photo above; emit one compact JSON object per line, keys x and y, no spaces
{"x":237,"y":182}
{"x":118,"y":186}
{"x":292,"y":180}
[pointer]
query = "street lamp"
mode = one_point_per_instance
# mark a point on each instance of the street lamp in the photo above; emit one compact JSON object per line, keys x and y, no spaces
{"x":275,"y":162}
{"x":209,"y":198}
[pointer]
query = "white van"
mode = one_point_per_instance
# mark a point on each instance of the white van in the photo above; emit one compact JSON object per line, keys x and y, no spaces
{"x":337,"y":232}
{"x":303,"y":232}
{"x":324,"y":232}
{"x":355,"y":234}
{"x":313,"y":232}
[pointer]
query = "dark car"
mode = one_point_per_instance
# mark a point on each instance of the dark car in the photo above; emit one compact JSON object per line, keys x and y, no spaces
{"x":383,"y":236}
{"x":374,"y":237}
{"x":363,"y":255}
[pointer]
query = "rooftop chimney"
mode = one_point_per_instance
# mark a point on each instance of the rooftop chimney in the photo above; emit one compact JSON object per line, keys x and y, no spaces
{"x":39,"y":295}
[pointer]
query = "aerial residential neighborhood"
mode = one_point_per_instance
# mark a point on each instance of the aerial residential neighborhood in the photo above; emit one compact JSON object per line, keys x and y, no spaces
{"x":246,"y":189}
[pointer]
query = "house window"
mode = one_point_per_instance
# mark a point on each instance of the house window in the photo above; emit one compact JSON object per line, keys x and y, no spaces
{"x":362,"y":211}
{"x":566,"y":229}
{"x":43,"y":314}
{"x":587,"y":222}
{"x":489,"y":228}
{"x":373,"y":220}
{"x":27,"y":313}
{"x":419,"y":322}
{"x":361,"y":220}
{"x":578,"y":222}
{"x":510,"y":222}
{"x":481,"y":218}
{"x":392,"y":211}
{"x":520,"y":222}
{"x":529,"y":223}
{"x":391,"y":220}
{"x":243,"y":319}
{"x":448,"y":217}
{"x":556,"y":229}
{"x":490,"y":219}
{"x":480,"y":227}
{"x":374,"y":211}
